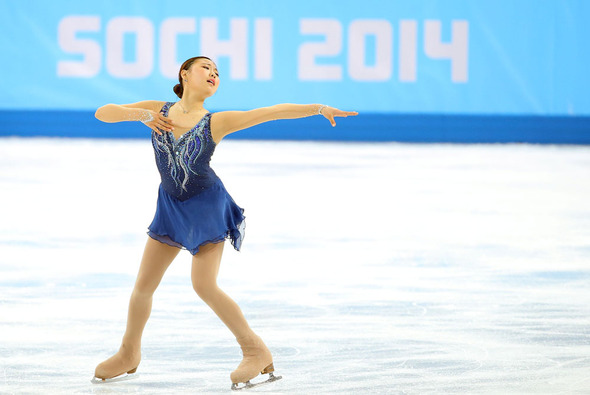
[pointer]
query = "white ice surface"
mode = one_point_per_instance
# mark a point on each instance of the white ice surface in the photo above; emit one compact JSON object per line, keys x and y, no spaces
{"x":367,"y":268}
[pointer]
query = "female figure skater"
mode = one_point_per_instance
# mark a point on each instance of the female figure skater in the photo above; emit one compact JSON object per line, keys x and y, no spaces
{"x":194,"y":211}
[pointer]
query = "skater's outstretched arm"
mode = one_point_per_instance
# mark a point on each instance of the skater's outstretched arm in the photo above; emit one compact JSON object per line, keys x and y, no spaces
{"x":226,"y":122}
{"x":147,"y":111}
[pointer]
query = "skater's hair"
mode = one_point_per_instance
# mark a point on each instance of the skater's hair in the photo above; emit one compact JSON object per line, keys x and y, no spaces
{"x":179,"y":88}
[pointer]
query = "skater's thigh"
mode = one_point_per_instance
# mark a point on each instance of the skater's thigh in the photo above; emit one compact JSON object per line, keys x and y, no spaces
{"x":157,"y":257}
{"x":206,"y":263}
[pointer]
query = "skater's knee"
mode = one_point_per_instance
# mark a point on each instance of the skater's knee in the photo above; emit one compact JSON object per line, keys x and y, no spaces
{"x":205,"y":289}
{"x":145,"y":286}
{"x":143,"y":291}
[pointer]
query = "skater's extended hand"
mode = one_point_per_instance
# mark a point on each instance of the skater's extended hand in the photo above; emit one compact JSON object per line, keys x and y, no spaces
{"x":330,"y":112}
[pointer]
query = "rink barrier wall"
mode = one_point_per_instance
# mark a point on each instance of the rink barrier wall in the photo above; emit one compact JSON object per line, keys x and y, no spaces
{"x":419,"y":128}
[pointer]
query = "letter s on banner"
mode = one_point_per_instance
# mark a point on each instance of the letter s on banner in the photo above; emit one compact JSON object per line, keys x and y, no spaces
{"x":89,"y":66}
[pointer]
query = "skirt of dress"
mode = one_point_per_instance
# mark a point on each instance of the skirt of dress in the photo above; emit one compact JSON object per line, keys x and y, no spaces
{"x":209,"y":217}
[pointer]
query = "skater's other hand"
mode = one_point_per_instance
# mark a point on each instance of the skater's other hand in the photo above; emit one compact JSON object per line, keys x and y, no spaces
{"x":330,"y":113}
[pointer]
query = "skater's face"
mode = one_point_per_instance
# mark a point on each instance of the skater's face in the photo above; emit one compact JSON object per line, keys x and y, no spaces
{"x":202,"y":76}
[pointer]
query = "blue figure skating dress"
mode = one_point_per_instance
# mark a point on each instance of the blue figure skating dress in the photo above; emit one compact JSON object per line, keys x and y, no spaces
{"x":193,"y":206}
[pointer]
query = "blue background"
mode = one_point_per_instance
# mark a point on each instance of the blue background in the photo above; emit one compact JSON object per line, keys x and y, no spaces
{"x":528,"y":66}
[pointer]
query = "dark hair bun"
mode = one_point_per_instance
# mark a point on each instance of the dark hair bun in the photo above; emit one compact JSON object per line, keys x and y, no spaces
{"x":178,"y":90}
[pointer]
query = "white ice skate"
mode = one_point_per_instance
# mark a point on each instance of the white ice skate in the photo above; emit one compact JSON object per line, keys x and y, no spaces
{"x":130,"y":375}
{"x":257,"y":358}
{"x":248,"y":384}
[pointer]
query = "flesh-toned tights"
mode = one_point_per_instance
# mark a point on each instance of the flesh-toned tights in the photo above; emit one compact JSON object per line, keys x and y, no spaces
{"x":157,"y":257}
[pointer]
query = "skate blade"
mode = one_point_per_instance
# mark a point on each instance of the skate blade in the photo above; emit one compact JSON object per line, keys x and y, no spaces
{"x":247,"y":385}
{"x":123,"y":377}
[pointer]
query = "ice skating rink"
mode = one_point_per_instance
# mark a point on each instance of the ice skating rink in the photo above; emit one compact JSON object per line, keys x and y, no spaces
{"x":367,"y":268}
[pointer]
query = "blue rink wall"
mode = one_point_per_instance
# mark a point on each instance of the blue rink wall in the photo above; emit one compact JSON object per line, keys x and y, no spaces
{"x":364,"y":127}
{"x":415,"y":70}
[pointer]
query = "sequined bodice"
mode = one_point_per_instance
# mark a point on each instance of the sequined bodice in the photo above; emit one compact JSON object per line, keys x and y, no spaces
{"x":184,"y":163}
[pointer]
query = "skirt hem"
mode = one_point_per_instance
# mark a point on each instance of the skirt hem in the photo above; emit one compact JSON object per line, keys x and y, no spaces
{"x":235,"y":235}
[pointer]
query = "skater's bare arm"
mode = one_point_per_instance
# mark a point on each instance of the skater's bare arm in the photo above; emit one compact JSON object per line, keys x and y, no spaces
{"x":144,"y":111}
{"x":226,"y":122}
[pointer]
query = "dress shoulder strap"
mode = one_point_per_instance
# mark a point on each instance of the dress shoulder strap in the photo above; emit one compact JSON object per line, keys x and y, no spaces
{"x":166,"y":107}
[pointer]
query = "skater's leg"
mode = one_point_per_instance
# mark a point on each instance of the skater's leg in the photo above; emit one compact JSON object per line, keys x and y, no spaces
{"x":204,"y":278}
{"x":157,"y":257}
{"x":257,"y":357}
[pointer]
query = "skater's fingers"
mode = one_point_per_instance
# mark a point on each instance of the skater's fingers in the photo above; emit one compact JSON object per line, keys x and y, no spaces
{"x":330,"y":118}
{"x":164,"y":123}
{"x":346,"y":113}
{"x":340,"y":113}
{"x":165,"y":127}
{"x":165,"y":119}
